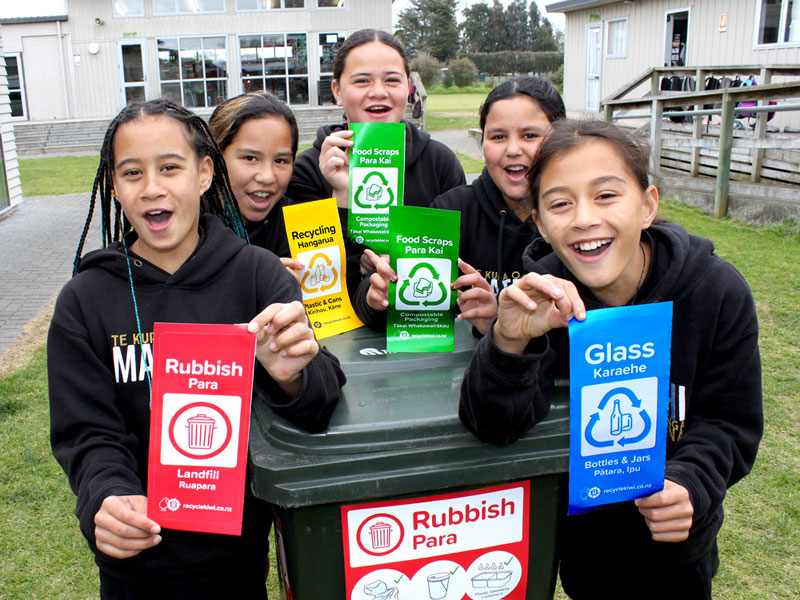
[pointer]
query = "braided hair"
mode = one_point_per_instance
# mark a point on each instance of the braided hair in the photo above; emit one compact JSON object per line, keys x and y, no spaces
{"x":217,"y":200}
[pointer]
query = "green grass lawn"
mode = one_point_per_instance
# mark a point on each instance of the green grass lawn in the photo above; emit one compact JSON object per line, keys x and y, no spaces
{"x":42,"y":554}
{"x":453,"y":111}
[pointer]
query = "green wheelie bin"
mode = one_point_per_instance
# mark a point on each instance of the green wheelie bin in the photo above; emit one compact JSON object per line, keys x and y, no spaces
{"x":396,"y":500}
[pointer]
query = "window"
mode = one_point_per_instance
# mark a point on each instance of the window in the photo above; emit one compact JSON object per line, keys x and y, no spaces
{"x":128,"y":8}
{"x":16,"y":91}
{"x":329,"y":44}
{"x":193,"y":71}
{"x":276,"y":63}
{"x":268,"y":4}
{"x":330,"y":3}
{"x":777,"y":22}
{"x":175,"y":7}
{"x":616,"y":38}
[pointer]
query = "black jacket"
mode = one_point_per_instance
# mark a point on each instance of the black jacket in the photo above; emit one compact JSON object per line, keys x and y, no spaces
{"x":431,"y":169}
{"x":493,"y":237}
{"x":99,"y":394}
{"x":271,"y":232}
{"x":714,"y":355}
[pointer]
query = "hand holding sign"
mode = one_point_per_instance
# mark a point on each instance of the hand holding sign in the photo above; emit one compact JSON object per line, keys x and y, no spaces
{"x":533,"y":306}
{"x":293,"y":265}
{"x":668,"y":513}
{"x":378,"y":294}
{"x":334,"y":163}
{"x":122,"y":528}
{"x":286,"y":343}
{"x":478,"y":304}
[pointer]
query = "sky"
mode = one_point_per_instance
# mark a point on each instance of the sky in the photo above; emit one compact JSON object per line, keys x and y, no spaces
{"x":557,"y":19}
{"x":15,"y":8}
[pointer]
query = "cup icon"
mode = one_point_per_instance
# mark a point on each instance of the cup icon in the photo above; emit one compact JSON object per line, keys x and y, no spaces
{"x":437,"y":585}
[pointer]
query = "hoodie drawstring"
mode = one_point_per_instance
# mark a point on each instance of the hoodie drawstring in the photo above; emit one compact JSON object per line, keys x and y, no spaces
{"x":500,"y":283}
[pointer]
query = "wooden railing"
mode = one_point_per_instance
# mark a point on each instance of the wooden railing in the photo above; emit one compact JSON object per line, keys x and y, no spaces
{"x":658,"y":103}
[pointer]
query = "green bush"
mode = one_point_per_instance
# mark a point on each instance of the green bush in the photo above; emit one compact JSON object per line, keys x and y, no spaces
{"x":498,"y":63}
{"x":557,"y":78}
{"x":463,"y":71}
{"x":427,"y":67}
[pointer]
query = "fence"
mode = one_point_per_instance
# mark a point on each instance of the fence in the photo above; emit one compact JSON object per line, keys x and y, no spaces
{"x":698,"y":145}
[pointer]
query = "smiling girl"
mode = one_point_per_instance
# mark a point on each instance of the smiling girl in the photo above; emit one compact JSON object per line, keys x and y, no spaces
{"x":594,"y":204}
{"x":496,"y":222}
{"x":165,"y":261}
{"x":370,"y":81}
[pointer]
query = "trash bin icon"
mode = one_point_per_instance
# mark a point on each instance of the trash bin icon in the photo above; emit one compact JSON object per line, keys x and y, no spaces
{"x":201,"y":432}
{"x":381,"y":534}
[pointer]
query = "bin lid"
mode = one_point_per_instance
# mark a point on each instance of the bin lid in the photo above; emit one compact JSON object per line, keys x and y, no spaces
{"x":396,"y":428}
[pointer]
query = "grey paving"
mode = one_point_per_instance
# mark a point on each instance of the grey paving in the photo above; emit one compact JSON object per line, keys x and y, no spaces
{"x":37,"y":247}
{"x":38,"y":241}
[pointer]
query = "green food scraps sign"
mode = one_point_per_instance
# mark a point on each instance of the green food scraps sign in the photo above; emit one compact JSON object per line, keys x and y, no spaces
{"x":377,"y":168}
{"x":424,"y":254}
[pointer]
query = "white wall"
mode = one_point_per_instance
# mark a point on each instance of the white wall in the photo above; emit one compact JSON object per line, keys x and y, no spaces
{"x":7,"y":133}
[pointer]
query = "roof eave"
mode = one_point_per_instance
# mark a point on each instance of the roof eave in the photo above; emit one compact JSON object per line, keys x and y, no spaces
{"x":573,"y":5}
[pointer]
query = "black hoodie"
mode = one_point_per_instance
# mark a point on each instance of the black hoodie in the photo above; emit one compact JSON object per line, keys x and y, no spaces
{"x":714,"y":355}
{"x":431,"y":169}
{"x":99,"y":393}
{"x":271,"y":232}
{"x":493,"y":237}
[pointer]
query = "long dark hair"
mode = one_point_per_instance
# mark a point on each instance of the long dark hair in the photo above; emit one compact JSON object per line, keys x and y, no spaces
{"x":538,"y":89}
{"x":228,"y":117}
{"x":218,"y":199}
{"x":365,"y":36}
{"x":565,"y":135}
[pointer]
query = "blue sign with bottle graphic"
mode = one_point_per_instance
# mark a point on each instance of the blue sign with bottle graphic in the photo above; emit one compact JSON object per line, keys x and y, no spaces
{"x":619,"y":386}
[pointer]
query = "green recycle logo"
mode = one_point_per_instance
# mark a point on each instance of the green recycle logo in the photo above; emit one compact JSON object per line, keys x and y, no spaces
{"x":422,"y":288}
{"x":374,"y":191}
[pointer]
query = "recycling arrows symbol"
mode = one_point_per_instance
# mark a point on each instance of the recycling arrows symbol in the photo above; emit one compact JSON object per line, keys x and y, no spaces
{"x":319,"y":275}
{"x":623,"y":441}
{"x":360,"y":192}
{"x":407,"y":283}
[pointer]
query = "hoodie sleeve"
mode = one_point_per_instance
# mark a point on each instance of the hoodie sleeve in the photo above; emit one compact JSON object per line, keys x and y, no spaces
{"x":88,"y":434}
{"x":307,"y":182}
{"x":312,"y":408}
{"x":503,"y":395}
{"x":724,"y":419}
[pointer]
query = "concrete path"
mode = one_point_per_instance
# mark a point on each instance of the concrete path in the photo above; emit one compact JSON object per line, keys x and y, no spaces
{"x":38,"y":242}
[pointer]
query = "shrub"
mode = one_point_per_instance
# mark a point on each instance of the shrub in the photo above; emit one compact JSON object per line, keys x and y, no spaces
{"x":427,"y":67}
{"x":499,"y":63}
{"x":463,"y":71}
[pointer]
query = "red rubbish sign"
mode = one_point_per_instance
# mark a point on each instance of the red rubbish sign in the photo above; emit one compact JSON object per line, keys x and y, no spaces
{"x":199,"y":425}
{"x":467,"y":545}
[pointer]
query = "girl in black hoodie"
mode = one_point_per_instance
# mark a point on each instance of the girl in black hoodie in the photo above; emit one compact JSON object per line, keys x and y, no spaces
{"x":165,"y":261}
{"x":594,"y":205}
{"x":496,"y":223}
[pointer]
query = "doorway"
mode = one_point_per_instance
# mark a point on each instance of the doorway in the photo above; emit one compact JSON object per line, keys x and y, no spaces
{"x":676,"y":38}
{"x":594,"y":53}
{"x":132,"y":70}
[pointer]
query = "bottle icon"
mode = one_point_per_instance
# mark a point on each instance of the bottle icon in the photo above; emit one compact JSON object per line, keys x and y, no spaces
{"x":620,"y":421}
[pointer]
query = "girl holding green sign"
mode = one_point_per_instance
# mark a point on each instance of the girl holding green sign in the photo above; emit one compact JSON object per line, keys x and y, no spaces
{"x":496,"y":222}
{"x":594,"y":204}
{"x":370,"y":81}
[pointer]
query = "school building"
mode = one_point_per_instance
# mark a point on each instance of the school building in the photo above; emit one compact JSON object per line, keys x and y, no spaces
{"x":610,"y":42}
{"x":10,"y":187}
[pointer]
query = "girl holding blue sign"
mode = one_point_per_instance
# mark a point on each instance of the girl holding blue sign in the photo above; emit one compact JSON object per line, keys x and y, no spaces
{"x":166,"y":260}
{"x":594,"y":204}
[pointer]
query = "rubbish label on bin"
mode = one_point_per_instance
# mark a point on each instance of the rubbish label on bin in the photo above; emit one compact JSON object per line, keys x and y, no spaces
{"x":377,"y":170}
{"x":619,"y":383}
{"x":424,"y":254}
{"x":199,"y":424}
{"x":315,"y":239}
{"x":455,"y":546}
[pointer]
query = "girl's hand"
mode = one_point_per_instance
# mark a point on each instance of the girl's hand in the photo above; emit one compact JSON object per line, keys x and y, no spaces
{"x":285,"y":343}
{"x":378,"y":293}
{"x":122,"y":529}
{"x":531,"y":307}
{"x":334,"y":164}
{"x":294,"y":266}
{"x":368,"y":263}
{"x":478,"y":304}
{"x":668,"y":513}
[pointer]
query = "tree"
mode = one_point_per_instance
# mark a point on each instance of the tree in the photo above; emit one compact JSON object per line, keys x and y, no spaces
{"x":517,"y":31}
{"x":463,"y":71}
{"x":496,"y":31}
{"x":429,"y":25}
{"x":541,"y":31}
{"x":474,"y":28}
{"x":427,"y":67}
